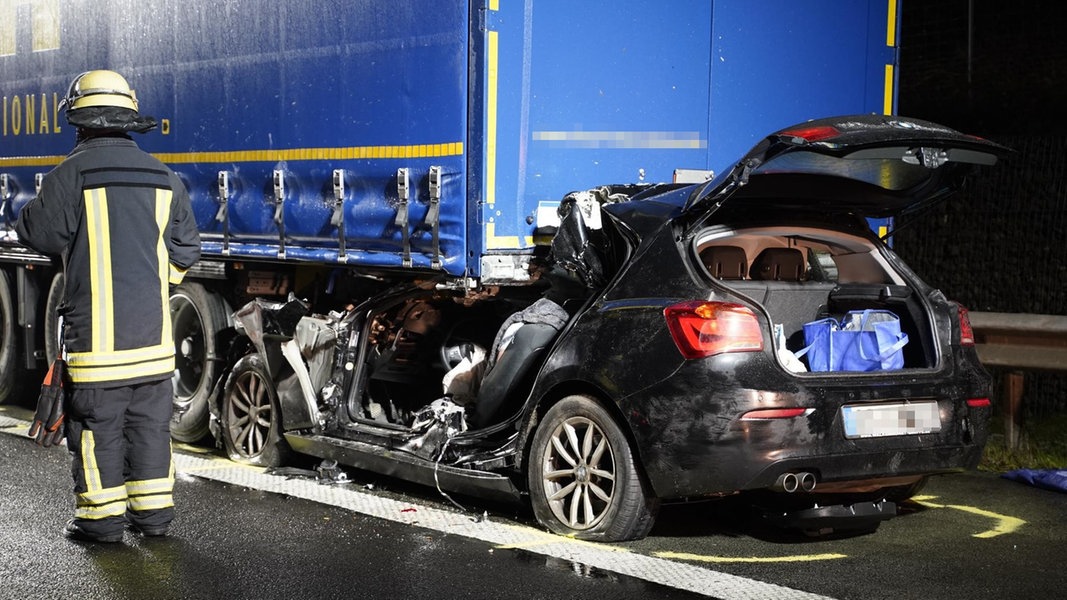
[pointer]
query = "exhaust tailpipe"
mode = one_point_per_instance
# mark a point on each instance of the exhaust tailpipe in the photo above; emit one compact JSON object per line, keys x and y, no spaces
{"x":787,"y":482}
{"x":793,"y":482}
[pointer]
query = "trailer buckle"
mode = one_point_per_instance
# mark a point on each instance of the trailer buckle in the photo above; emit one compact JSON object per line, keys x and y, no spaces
{"x":402,"y":187}
{"x":433,"y":215}
{"x":223,"y":216}
{"x":338,"y":217}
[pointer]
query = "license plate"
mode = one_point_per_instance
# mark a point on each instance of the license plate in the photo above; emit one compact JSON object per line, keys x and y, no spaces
{"x":880,"y":420}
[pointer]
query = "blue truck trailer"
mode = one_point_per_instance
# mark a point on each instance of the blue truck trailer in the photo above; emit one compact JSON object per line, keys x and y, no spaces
{"x":332,"y":148}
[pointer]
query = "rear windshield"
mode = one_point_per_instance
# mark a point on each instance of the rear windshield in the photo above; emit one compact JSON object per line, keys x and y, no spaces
{"x":885,"y":172}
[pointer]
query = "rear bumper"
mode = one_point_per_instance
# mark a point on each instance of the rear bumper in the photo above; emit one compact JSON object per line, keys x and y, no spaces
{"x":868,"y":466}
{"x":740,"y":470}
{"x":715,"y":452}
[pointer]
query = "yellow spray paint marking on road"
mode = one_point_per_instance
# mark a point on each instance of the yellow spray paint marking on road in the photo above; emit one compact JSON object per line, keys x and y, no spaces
{"x":748,"y":559}
{"x":1004,"y":523}
{"x":541,"y":538}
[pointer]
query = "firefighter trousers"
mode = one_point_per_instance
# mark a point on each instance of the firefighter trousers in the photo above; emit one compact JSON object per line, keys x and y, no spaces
{"x":119,"y":438}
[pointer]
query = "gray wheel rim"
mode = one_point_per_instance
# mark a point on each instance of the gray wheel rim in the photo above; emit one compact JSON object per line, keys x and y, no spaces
{"x":578,"y":473}
{"x":249,"y":414}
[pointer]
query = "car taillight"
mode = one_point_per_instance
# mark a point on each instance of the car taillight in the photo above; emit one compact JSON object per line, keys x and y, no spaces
{"x":979,"y":402}
{"x":812,"y":134}
{"x":701,"y":329}
{"x":966,"y":331}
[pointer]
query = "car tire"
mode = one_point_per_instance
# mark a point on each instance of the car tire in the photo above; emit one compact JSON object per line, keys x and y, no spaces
{"x":250,"y":416}
{"x":10,"y":379}
{"x":197,"y":317}
{"x":582,"y":476}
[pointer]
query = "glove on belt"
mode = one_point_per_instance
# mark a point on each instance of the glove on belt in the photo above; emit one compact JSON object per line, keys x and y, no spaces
{"x":47,"y":427}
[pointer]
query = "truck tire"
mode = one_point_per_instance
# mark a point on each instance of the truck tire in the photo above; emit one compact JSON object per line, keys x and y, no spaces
{"x":197,"y":317}
{"x":10,"y":379}
{"x":582,"y":476}
{"x":51,"y":317}
{"x":251,"y":416}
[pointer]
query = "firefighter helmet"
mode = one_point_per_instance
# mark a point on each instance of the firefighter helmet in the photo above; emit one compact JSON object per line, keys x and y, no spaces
{"x":100,"y":88}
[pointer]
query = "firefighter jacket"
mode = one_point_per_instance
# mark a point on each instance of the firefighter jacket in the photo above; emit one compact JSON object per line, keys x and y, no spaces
{"x":122,"y":224}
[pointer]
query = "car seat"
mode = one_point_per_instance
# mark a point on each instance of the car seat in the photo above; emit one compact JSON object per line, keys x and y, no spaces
{"x":518,"y":349}
{"x":725,"y":262}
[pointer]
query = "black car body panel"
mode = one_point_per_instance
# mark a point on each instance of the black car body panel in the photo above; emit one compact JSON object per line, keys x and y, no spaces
{"x":869,"y":165}
{"x":742,"y":417}
{"x":685,"y":415}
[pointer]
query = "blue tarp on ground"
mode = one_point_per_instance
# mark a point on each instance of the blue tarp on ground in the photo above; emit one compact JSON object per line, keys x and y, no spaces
{"x":1049,"y":479}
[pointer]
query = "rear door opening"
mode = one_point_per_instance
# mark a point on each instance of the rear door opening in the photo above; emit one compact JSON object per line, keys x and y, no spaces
{"x":803,"y":274}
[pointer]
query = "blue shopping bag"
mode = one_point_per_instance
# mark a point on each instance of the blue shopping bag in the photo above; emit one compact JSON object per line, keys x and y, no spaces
{"x":818,"y":344}
{"x":864,"y":340}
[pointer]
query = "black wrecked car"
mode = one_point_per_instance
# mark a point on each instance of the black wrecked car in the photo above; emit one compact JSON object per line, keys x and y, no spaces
{"x":661,"y":353}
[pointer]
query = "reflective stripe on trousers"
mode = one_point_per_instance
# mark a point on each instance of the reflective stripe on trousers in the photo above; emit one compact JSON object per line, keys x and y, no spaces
{"x":122,"y":467}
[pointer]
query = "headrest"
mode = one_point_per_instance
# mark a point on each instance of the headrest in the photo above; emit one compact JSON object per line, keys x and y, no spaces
{"x":725,"y":262}
{"x":779,"y":264}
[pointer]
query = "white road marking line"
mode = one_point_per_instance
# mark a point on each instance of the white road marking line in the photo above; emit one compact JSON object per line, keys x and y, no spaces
{"x":503,"y":535}
{"x":616,"y":559}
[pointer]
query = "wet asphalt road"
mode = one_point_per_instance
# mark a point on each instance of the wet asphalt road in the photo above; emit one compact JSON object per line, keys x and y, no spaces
{"x":236,"y":543}
{"x":971,"y":537}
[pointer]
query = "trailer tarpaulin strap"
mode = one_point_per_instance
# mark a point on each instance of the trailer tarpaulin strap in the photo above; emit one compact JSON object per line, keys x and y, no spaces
{"x":402,"y":212}
{"x":223,"y":216}
{"x":433,"y":215}
{"x":338,"y":217}
{"x":279,"y":209}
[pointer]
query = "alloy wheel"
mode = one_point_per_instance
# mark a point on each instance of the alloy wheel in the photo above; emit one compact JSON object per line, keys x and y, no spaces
{"x":579,"y":473}
{"x":249,"y":414}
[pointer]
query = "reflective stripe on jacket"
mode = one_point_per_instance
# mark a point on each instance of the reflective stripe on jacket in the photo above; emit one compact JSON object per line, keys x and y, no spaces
{"x":122,"y":223}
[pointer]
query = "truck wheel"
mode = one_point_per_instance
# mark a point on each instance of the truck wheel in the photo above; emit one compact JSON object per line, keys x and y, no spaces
{"x":10,"y":380}
{"x":251,"y":418}
{"x":197,"y":316}
{"x":51,"y":317}
{"x":582,"y":478}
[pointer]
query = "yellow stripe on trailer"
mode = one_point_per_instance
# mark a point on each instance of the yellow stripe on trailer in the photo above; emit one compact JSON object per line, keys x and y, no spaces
{"x":292,"y":154}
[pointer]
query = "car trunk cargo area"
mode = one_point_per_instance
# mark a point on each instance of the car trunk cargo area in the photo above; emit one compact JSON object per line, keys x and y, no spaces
{"x":801,"y":274}
{"x":792,"y":304}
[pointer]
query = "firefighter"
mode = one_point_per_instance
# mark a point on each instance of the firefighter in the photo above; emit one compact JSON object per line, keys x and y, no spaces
{"x":122,"y":225}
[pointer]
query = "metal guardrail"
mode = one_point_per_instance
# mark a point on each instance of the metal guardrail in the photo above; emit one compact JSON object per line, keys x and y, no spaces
{"x":1019,"y":342}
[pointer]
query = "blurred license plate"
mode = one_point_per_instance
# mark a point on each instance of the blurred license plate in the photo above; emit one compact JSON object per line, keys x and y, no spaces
{"x":879,"y":420}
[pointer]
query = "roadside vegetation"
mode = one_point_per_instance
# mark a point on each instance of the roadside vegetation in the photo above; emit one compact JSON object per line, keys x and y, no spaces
{"x":1043,"y":446}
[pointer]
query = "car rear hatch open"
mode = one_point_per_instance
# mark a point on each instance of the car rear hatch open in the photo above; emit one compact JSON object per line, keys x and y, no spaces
{"x":798,"y":263}
{"x":868,"y":165}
